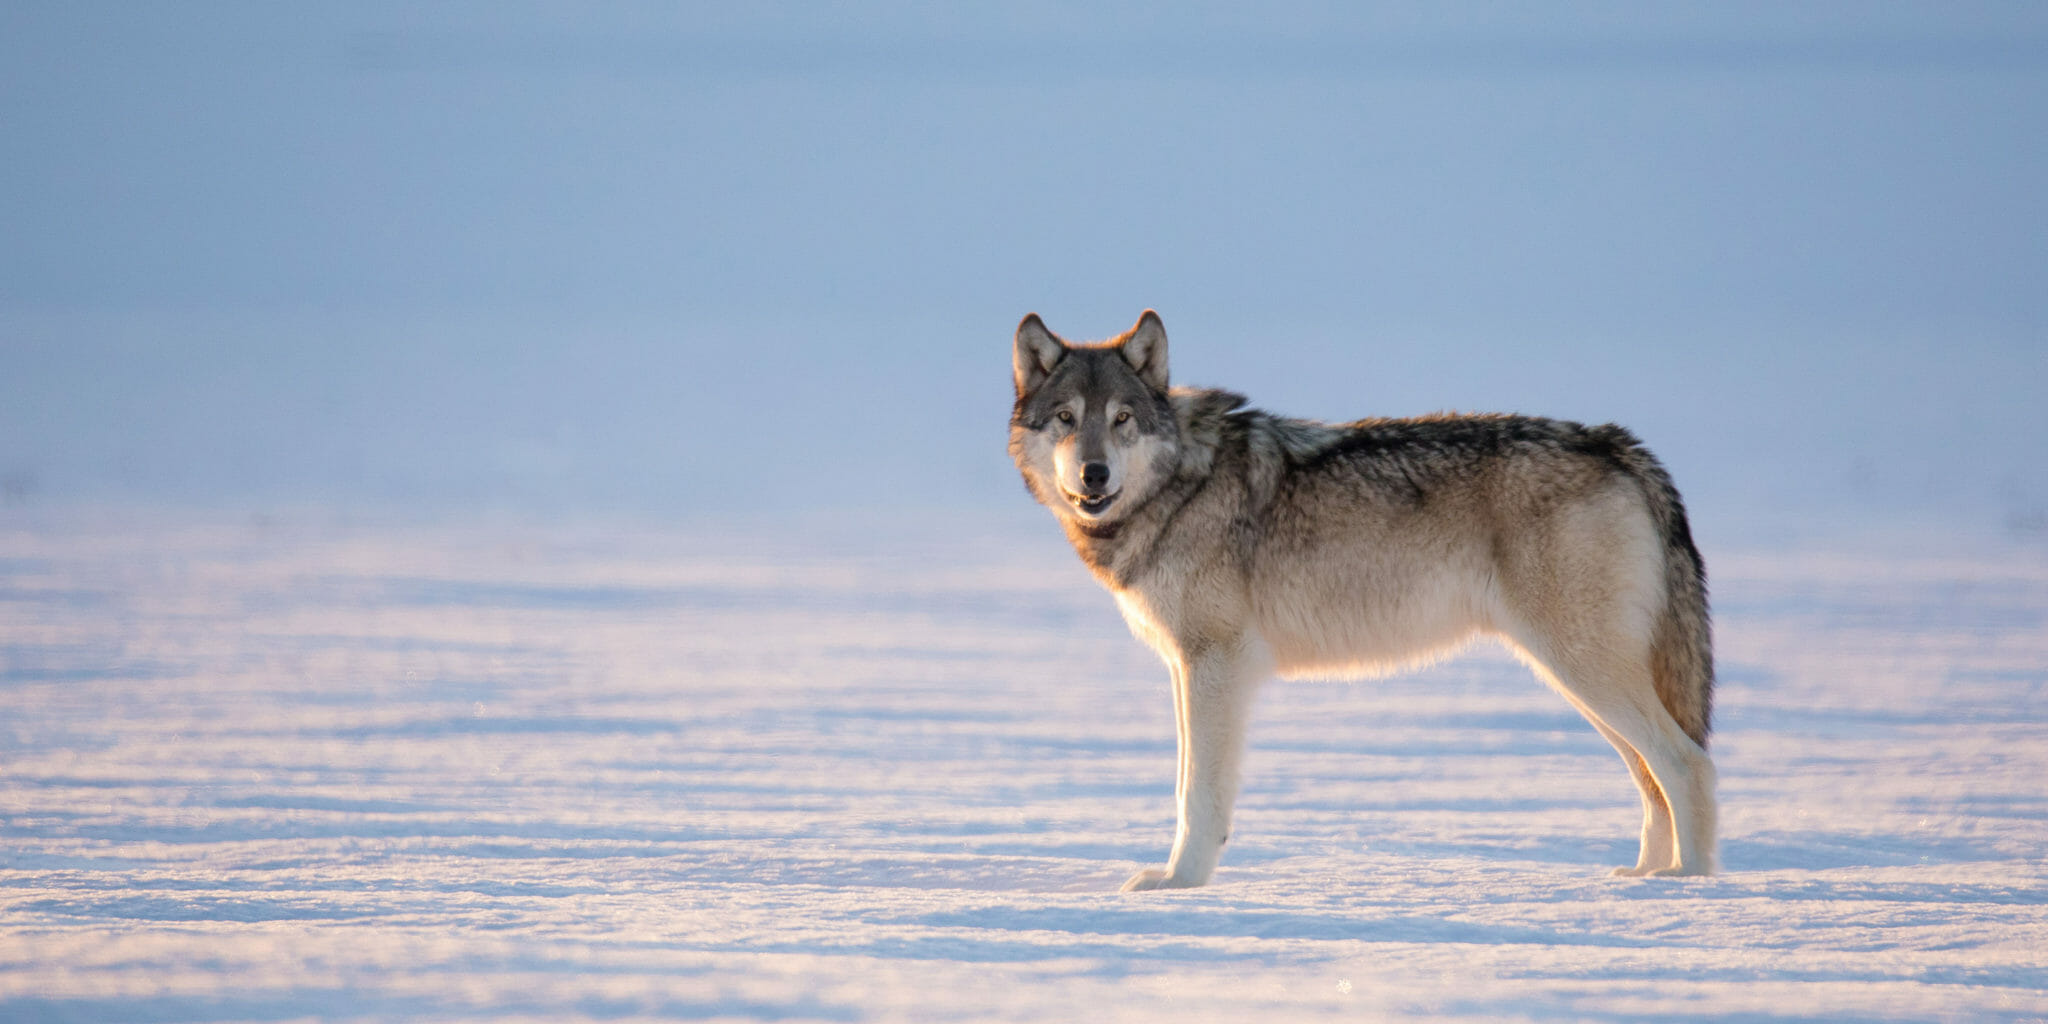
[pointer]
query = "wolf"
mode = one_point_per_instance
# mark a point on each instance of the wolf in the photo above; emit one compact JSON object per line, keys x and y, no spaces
{"x":1241,"y":545}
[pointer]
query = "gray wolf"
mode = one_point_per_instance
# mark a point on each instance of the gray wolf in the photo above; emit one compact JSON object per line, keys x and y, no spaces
{"x":1241,"y":545}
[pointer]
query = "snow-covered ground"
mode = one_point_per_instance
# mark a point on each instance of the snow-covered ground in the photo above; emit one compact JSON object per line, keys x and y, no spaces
{"x":267,"y":771}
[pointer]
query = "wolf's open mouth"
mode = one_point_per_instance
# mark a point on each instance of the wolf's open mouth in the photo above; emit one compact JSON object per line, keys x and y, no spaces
{"x":1093,"y":506}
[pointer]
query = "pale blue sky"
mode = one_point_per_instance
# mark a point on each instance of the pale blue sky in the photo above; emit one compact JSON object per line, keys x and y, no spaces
{"x":688,"y":260}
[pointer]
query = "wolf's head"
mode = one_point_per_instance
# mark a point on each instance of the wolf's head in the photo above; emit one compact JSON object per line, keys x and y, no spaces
{"x":1093,"y":431}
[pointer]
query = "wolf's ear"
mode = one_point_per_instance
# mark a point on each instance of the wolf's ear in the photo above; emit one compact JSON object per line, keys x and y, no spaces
{"x":1038,"y":351}
{"x":1145,"y":349}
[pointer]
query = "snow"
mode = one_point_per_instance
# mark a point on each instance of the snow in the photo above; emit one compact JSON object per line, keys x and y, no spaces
{"x":461,"y":286}
{"x":307,"y":768}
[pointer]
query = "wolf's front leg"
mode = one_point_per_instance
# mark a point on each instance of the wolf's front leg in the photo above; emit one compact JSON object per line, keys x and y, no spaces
{"x":1212,"y":699}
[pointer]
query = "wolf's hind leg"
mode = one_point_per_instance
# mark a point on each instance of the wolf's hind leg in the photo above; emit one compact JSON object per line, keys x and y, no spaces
{"x":1213,"y":692}
{"x":1679,"y":770}
{"x":1673,"y":774}
{"x":1657,"y":849}
{"x":1694,"y":826}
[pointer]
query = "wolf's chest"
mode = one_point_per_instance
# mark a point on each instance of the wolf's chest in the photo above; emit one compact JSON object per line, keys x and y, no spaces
{"x":1144,"y":615}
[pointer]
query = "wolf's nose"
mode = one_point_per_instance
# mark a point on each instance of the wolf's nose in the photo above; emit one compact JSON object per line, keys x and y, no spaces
{"x":1094,"y":475}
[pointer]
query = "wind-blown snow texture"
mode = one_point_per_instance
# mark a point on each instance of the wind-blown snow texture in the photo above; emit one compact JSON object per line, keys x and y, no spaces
{"x":272,"y":772}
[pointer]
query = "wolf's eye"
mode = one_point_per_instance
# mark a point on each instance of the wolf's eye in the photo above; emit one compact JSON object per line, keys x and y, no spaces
{"x":1066,"y":416}
{"x":1123,"y":417}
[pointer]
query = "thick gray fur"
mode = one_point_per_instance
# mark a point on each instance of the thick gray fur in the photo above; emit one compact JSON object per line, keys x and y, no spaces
{"x":1242,"y":545}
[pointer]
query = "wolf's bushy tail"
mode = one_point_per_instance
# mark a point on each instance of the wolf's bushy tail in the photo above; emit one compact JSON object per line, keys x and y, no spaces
{"x":1682,"y":639}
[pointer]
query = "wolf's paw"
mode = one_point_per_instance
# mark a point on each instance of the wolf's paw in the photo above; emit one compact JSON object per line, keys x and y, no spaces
{"x":1154,"y":878}
{"x":1681,"y":871}
{"x":1676,"y":871}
